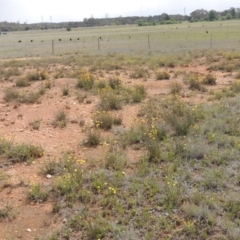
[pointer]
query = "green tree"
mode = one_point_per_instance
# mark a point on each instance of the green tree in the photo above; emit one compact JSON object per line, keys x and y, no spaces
{"x":212,"y":15}
{"x":229,"y":16}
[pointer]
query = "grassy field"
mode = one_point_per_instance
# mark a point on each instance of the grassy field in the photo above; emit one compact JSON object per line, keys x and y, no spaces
{"x":164,"y":39}
{"x":153,"y":135}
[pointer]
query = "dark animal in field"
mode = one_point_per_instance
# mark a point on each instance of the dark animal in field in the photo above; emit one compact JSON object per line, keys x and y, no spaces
{"x":100,"y":38}
{"x":70,"y":39}
{"x":78,"y":39}
{"x":42,"y":40}
{"x":19,"y":41}
{"x":59,"y":39}
{"x":206,"y":31}
{"x":31,"y":41}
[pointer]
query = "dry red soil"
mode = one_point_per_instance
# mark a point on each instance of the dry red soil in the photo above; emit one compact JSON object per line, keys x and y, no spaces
{"x":36,"y":219}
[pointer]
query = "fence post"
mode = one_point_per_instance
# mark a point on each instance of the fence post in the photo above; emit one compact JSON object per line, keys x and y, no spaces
{"x":53,"y":47}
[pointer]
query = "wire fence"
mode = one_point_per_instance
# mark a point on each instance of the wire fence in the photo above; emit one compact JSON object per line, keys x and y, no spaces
{"x":159,"y":42}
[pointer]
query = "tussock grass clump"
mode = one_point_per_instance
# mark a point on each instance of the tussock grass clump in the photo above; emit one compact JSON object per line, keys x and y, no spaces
{"x":140,"y":72}
{"x":31,"y":97}
{"x":115,"y":159}
{"x":11,"y":94}
{"x":93,"y":138}
{"x":162,"y":75}
{"x":175,"y":87}
{"x":10,"y":72}
{"x":85,"y":80}
{"x":60,"y":119}
{"x":37,"y":75}
{"x":22,"y":82}
{"x":110,"y":101}
{"x":35,"y":124}
{"x":65,"y":91}
{"x":138,"y":93}
{"x":7,"y":212}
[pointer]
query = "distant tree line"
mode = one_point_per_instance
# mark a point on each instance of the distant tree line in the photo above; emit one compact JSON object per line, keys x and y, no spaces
{"x":195,"y":16}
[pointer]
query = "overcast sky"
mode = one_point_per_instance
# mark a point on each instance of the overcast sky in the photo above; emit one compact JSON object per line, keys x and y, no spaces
{"x":75,"y":10}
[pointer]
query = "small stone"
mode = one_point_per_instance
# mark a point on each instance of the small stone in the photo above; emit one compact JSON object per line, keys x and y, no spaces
{"x":64,"y":220}
{"x":49,"y":176}
{"x":29,"y":230}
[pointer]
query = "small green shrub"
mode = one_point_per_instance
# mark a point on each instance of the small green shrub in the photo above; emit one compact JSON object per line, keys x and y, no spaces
{"x":36,"y":193}
{"x":103,"y":120}
{"x":115,"y":159}
{"x":93,"y":138}
{"x":139,"y":93}
{"x":33,"y":76}
{"x":161,"y":75}
{"x":194,"y":81}
{"x":114,"y":82}
{"x":24,"y":152}
{"x":110,"y":101}
{"x":209,"y":79}
{"x":85,"y":80}
{"x":60,"y":119}
{"x":101,"y":84}
{"x":44,"y":75}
